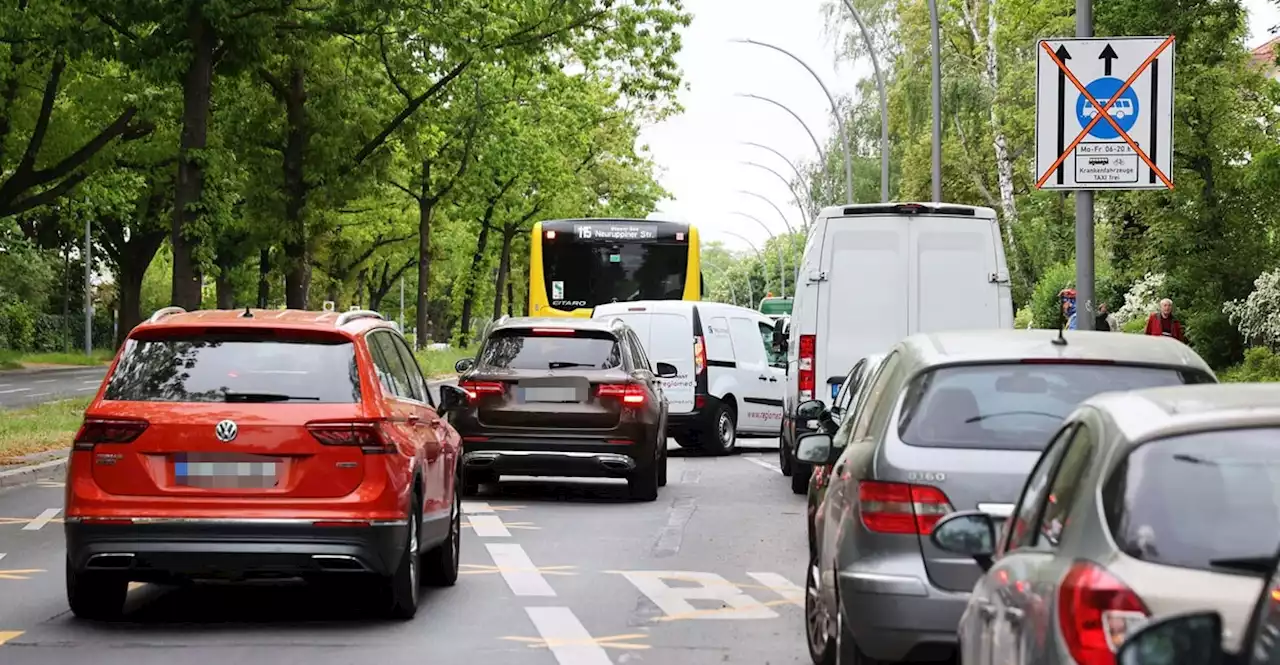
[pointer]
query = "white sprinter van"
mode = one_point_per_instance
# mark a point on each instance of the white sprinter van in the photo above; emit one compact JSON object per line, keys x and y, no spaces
{"x":874,"y":274}
{"x":730,"y":380}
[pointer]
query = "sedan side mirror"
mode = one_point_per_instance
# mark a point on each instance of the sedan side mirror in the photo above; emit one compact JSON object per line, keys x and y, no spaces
{"x":452,"y":398}
{"x":464,"y":365}
{"x":1182,"y":639}
{"x":968,"y":532}
{"x":667,"y":371}
{"x":810,"y":410}
{"x":816,"y":449}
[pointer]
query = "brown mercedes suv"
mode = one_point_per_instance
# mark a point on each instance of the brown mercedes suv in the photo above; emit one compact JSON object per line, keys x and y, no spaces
{"x":567,"y":398}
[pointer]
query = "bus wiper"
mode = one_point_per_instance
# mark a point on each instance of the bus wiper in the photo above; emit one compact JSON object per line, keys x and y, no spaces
{"x":264,"y":397}
{"x":563,"y":365}
{"x":1248,"y":564}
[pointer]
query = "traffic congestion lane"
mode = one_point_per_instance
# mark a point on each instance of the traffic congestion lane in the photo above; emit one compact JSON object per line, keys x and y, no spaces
{"x":27,"y":388}
{"x":560,"y":572}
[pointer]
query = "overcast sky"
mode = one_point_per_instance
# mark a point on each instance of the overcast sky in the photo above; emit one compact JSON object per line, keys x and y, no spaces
{"x":699,"y":152}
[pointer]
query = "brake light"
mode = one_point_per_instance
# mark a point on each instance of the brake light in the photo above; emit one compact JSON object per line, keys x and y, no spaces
{"x":553,"y":331}
{"x":632,"y":394}
{"x":807,"y":365}
{"x":368,"y":435}
{"x":108,"y":430}
{"x":1095,"y":612}
{"x":1065,"y":361}
{"x":699,"y":355}
{"x":475,"y":389}
{"x":901,"y":508}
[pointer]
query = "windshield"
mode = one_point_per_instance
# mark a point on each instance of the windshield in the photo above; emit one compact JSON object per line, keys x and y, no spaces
{"x":579,"y":274}
{"x":219,"y":369}
{"x":1013,"y":406}
{"x":1209,"y":500}
{"x":526,"y":349}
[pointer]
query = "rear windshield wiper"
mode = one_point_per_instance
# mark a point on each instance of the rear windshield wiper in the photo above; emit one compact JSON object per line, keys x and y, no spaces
{"x":563,"y":365}
{"x":265,"y":397}
{"x":1248,"y":564}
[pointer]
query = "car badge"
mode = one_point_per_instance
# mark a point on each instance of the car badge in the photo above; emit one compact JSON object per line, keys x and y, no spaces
{"x":226,"y":431}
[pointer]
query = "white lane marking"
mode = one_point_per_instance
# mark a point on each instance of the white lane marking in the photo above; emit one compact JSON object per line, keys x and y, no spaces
{"x":674,"y":600}
{"x":781,"y":586}
{"x":476,"y":507}
{"x":672,"y":535}
{"x":5,"y":385}
{"x":14,"y":390}
{"x":2,"y":555}
{"x":91,"y":382}
{"x":519,"y":572}
{"x":43,"y":519}
{"x":759,"y":462}
{"x":39,"y":394}
{"x":80,"y":390}
{"x":45,"y":381}
{"x":488,"y":526}
{"x":566,"y":637}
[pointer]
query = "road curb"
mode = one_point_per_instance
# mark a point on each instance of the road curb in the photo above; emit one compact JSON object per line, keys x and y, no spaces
{"x":32,"y":473}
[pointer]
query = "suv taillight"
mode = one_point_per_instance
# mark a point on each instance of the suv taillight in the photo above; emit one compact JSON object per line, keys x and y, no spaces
{"x":808,"y":363}
{"x":901,"y":508}
{"x":108,"y":430}
{"x":367,"y":435}
{"x":475,"y":389}
{"x":632,"y":394}
{"x":1095,"y":612}
{"x":699,"y":355}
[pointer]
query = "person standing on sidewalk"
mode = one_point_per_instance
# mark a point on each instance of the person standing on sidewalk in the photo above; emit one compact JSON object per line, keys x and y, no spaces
{"x":1163,"y":324}
{"x":1103,"y":320}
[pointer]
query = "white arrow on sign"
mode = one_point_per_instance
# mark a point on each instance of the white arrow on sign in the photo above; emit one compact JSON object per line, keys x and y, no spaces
{"x":1104,"y":113}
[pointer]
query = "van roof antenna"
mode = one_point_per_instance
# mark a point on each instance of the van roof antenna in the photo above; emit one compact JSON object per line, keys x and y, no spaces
{"x":1061,"y":339}
{"x":247,"y":314}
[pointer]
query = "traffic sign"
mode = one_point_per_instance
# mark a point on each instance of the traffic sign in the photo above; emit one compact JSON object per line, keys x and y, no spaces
{"x":1104,"y":113}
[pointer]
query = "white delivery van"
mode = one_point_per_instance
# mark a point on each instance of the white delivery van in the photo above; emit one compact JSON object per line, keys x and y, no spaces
{"x":874,"y":274}
{"x":730,"y":379}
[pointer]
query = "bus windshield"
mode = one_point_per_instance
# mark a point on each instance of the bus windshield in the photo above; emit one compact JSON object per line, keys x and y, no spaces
{"x":582,"y":274}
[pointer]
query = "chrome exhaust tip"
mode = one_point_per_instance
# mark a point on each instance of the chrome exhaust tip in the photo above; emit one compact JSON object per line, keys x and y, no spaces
{"x":339,"y":563}
{"x":111,"y":561}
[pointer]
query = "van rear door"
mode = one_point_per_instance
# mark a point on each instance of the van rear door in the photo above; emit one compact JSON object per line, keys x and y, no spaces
{"x":953,"y":260}
{"x":668,"y":338}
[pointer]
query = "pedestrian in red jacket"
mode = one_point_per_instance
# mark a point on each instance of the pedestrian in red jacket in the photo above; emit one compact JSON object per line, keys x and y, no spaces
{"x":1162,"y":323}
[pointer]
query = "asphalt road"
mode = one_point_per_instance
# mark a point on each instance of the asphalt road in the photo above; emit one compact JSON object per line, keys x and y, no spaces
{"x":26,"y":388}
{"x":555,"y":572}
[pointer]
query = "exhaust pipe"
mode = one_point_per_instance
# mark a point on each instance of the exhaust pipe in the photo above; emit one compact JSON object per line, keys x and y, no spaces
{"x":339,"y":563}
{"x":617,"y":463}
{"x":113,"y":561}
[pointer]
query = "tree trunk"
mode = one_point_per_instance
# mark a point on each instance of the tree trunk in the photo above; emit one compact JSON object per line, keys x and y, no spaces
{"x":468,"y":299}
{"x":426,"y":208}
{"x":225,"y":291}
{"x":197,"y":90}
{"x":361,"y":279}
{"x":264,"y":278}
{"x":511,"y":299}
{"x":504,"y":267}
{"x":297,"y":278}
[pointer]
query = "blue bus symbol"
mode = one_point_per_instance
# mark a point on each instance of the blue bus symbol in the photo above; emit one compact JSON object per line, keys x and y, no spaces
{"x":1124,"y":111}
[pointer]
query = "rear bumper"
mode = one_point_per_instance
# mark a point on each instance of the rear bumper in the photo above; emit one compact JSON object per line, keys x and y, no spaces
{"x":545,"y":456}
{"x":900,"y":617}
{"x":161,"y":550}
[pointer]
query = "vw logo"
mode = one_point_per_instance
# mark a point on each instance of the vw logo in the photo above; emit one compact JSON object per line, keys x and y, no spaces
{"x":226,"y":431}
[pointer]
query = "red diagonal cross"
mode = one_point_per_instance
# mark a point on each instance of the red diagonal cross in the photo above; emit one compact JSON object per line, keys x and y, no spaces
{"x":1103,"y":112}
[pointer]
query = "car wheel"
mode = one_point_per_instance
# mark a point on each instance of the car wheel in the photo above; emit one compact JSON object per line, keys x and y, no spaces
{"x":662,"y":467}
{"x":723,"y":436}
{"x":643,"y":483}
{"x":800,"y":473}
{"x":95,"y":596}
{"x":822,"y":643}
{"x":846,"y":649}
{"x":400,"y":591}
{"x":472,"y":480}
{"x":784,"y":460}
{"x":440,"y":565}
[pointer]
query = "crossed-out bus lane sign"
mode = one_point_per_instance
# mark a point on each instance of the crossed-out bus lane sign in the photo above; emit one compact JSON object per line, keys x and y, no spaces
{"x":1122,"y":129}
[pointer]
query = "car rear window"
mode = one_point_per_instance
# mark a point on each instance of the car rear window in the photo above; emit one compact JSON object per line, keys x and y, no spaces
{"x":516,"y":348}
{"x":1209,"y":500}
{"x":212,"y":368}
{"x":1014,"y":406}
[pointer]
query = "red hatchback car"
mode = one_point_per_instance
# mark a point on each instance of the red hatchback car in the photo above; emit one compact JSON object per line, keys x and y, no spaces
{"x":263,"y":444}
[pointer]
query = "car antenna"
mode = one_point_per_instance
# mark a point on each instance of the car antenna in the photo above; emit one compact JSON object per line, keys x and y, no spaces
{"x":1061,"y":339}
{"x":247,"y":314}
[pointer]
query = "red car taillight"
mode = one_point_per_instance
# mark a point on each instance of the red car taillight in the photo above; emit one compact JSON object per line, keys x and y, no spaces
{"x":699,"y":355}
{"x":475,"y":389}
{"x":901,"y":508}
{"x":1095,"y":612}
{"x":632,"y":394}
{"x":108,"y":430}
{"x":807,"y":366}
{"x":367,"y":435}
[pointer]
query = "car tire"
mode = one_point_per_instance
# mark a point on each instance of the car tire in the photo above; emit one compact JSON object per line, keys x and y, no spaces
{"x":643,"y":483}
{"x":95,"y":596}
{"x":819,"y":636}
{"x":721,"y":437}
{"x":440,"y":565}
{"x":800,"y":473}
{"x":662,"y":467}
{"x":400,"y":590}
{"x":846,"y":648}
{"x":472,"y":480}
{"x":687,"y":440}
{"x":784,"y":459}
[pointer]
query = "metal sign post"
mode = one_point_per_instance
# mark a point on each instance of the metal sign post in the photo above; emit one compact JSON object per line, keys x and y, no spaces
{"x":1104,"y":121}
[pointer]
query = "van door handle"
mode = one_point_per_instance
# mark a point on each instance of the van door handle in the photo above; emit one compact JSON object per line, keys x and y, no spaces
{"x":1013,"y":615}
{"x":986,"y":611}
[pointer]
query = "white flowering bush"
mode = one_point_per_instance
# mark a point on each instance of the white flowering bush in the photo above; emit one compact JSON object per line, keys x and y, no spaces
{"x":1142,"y":299}
{"x":1258,"y":316}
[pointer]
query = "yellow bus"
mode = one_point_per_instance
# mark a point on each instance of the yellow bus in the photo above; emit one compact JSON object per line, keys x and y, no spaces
{"x":576,"y":264}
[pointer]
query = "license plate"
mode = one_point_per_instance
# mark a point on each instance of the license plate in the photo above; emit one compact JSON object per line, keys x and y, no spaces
{"x":557,"y":395}
{"x":256,"y":473}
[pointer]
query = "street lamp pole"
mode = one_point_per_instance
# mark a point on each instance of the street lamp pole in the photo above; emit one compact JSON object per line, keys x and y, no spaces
{"x":792,"y":189}
{"x":782,"y":270}
{"x":794,"y":264}
{"x":88,"y":286}
{"x":884,"y":102}
{"x":733,"y":294}
{"x":759,"y":256}
{"x":817,"y":145}
{"x":835,"y":111}
{"x":813,"y":205}
{"x":937,"y":101}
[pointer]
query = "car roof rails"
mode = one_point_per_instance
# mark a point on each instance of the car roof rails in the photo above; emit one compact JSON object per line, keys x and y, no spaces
{"x":347,"y":317}
{"x":165,"y":311}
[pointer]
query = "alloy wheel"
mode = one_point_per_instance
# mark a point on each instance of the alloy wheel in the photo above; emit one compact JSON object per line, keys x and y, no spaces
{"x":816,"y":615}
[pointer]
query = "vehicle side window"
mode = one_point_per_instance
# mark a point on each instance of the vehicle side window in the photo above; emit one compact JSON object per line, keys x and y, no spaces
{"x":1262,"y":640}
{"x":1020,"y":529}
{"x":844,"y":399}
{"x":641,"y":354}
{"x":766,"y":334}
{"x":416,"y":383}
{"x":399,"y":377}
{"x":1066,"y":485}
{"x":380,"y":365}
{"x":876,"y":397}
{"x":747,"y":344}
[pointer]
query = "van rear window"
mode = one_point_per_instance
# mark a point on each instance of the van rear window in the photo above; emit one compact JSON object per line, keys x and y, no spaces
{"x":1014,"y":406}
{"x":516,"y":348}
{"x":211,"y":368}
